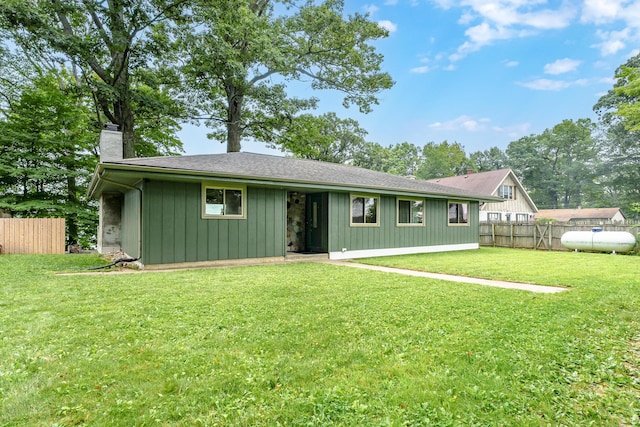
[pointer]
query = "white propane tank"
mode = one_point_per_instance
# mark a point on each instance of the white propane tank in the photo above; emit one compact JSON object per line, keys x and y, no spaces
{"x":598,"y":240}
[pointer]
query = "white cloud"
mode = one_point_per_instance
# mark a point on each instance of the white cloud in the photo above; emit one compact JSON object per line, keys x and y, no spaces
{"x":479,"y":36}
{"x":370,"y":9}
{"x":562,"y":66}
{"x":608,"y":80}
{"x":552,"y":85}
{"x":601,"y":11}
{"x":420,"y":70}
{"x":388,"y":25}
{"x":511,"y":64}
{"x":505,"y":19}
{"x":612,"y":41}
{"x":464,"y":122}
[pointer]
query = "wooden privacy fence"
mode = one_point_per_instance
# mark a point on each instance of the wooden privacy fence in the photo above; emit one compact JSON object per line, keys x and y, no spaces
{"x":32,"y":235}
{"x":545,"y":236}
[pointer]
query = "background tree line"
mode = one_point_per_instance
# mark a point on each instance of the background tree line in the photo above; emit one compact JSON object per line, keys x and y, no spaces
{"x":67,"y":67}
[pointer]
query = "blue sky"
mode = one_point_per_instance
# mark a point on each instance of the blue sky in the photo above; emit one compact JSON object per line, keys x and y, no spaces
{"x":482,"y":73}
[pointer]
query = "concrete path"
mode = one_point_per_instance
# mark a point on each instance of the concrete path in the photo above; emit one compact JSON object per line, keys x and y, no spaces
{"x":451,"y":278}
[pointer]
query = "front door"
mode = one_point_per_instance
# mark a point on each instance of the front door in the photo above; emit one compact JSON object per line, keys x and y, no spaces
{"x":317,"y":223}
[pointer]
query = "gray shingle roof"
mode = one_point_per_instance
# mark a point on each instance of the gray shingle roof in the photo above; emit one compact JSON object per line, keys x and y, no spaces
{"x":290,"y":170}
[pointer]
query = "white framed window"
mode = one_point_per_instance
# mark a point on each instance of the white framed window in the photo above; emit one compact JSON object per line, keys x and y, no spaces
{"x":410,"y":211}
{"x":222,"y":201}
{"x":494,"y":216}
{"x":364,"y":210}
{"x":458,"y":213}
{"x":507,"y":192}
{"x":522,"y":217}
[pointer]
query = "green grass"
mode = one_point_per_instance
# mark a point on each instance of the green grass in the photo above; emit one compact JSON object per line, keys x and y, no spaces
{"x":314,"y":344}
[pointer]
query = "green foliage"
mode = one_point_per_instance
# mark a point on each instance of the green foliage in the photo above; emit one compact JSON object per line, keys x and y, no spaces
{"x":119,"y":48}
{"x":489,"y":160}
{"x":442,"y":160}
{"x":47,"y":155}
{"x":243,"y":55}
{"x":316,"y":344}
{"x":558,"y":165}
{"x":621,"y":163}
{"x":334,"y":140}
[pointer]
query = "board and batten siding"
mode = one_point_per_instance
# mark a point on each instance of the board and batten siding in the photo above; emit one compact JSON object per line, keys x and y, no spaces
{"x":436,"y":230}
{"x":175,"y":231}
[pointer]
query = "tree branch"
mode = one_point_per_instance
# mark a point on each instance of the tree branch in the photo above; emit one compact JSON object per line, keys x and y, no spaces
{"x":68,"y":30}
{"x":98,"y":23}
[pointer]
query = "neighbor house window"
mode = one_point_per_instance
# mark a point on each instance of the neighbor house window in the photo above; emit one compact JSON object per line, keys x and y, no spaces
{"x":410,"y":211}
{"x":494,"y":216}
{"x":223,"y":202}
{"x":507,"y":192}
{"x":458,"y":213}
{"x":364,"y":210}
{"x":522,"y":217}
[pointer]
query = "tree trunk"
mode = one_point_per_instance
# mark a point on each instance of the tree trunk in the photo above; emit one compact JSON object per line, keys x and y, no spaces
{"x":128,"y":136}
{"x":234,"y":117}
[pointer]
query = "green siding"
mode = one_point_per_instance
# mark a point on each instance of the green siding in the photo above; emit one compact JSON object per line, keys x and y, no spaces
{"x":130,"y":231}
{"x":174,"y":230}
{"x":435,"y":231}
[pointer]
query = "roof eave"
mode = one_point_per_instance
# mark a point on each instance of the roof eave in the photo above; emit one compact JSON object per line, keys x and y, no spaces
{"x":155,"y":172}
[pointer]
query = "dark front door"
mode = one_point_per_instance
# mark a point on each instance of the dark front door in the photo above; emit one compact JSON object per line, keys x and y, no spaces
{"x":317,"y":222}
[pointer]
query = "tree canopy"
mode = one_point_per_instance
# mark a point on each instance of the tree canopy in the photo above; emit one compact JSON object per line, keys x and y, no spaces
{"x":243,"y":56}
{"x":118,"y":48}
{"x":47,"y":155}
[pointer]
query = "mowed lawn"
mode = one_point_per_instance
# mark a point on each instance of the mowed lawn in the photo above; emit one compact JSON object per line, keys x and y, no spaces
{"x":317,"y":345}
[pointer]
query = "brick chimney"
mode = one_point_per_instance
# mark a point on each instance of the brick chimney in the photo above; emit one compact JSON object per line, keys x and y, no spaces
{"x":469,"y":171}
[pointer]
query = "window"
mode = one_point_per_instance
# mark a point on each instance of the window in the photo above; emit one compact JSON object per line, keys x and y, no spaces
{"x":222,"y":202}
{"x":494,"y":216}
{"x":458,"y":213}
{"x":364,"y":210}
{"x":410,"y":211}
{"x":522,"y":217}
{"x":507,"y":192}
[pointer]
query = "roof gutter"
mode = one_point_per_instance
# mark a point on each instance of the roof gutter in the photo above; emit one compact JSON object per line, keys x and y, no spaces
{"x":181,"y":173}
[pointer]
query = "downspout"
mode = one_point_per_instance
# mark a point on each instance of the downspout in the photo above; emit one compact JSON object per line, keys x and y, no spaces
{"x":130,"y":187}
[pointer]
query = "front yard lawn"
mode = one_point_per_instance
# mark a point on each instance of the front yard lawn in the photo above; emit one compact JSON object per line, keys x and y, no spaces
{"x":317,"y":344}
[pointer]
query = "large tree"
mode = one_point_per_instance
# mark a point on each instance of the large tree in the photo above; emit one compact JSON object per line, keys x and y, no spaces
{"x":117,"y":45}
{"x":442,"y":160}
{"x":559,"y":165}
{"x":334,"y":140}
{"x":618,"y":120}
{"x":47,"y":154}
{"x":245,"y":54}
{"x":489,"y":160}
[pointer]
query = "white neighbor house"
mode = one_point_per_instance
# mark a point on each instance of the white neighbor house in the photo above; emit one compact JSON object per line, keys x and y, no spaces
{"x":503,"y":183}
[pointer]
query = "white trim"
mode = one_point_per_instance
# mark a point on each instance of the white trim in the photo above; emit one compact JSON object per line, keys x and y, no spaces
{"x":365,"y":253}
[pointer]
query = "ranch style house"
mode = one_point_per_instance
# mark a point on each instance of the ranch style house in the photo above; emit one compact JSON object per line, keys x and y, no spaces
{"x":200,"y":210}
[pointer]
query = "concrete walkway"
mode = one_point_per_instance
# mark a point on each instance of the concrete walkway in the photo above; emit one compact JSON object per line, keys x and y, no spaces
{"x":451,"y":278}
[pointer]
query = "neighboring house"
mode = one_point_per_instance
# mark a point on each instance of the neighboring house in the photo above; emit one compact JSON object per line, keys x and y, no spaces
{"x":195,"y":210}
{"x":502,"y":183}
{"x":583,"y":216}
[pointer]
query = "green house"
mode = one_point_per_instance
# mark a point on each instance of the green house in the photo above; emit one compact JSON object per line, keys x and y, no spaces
{"x":205,"y":209}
